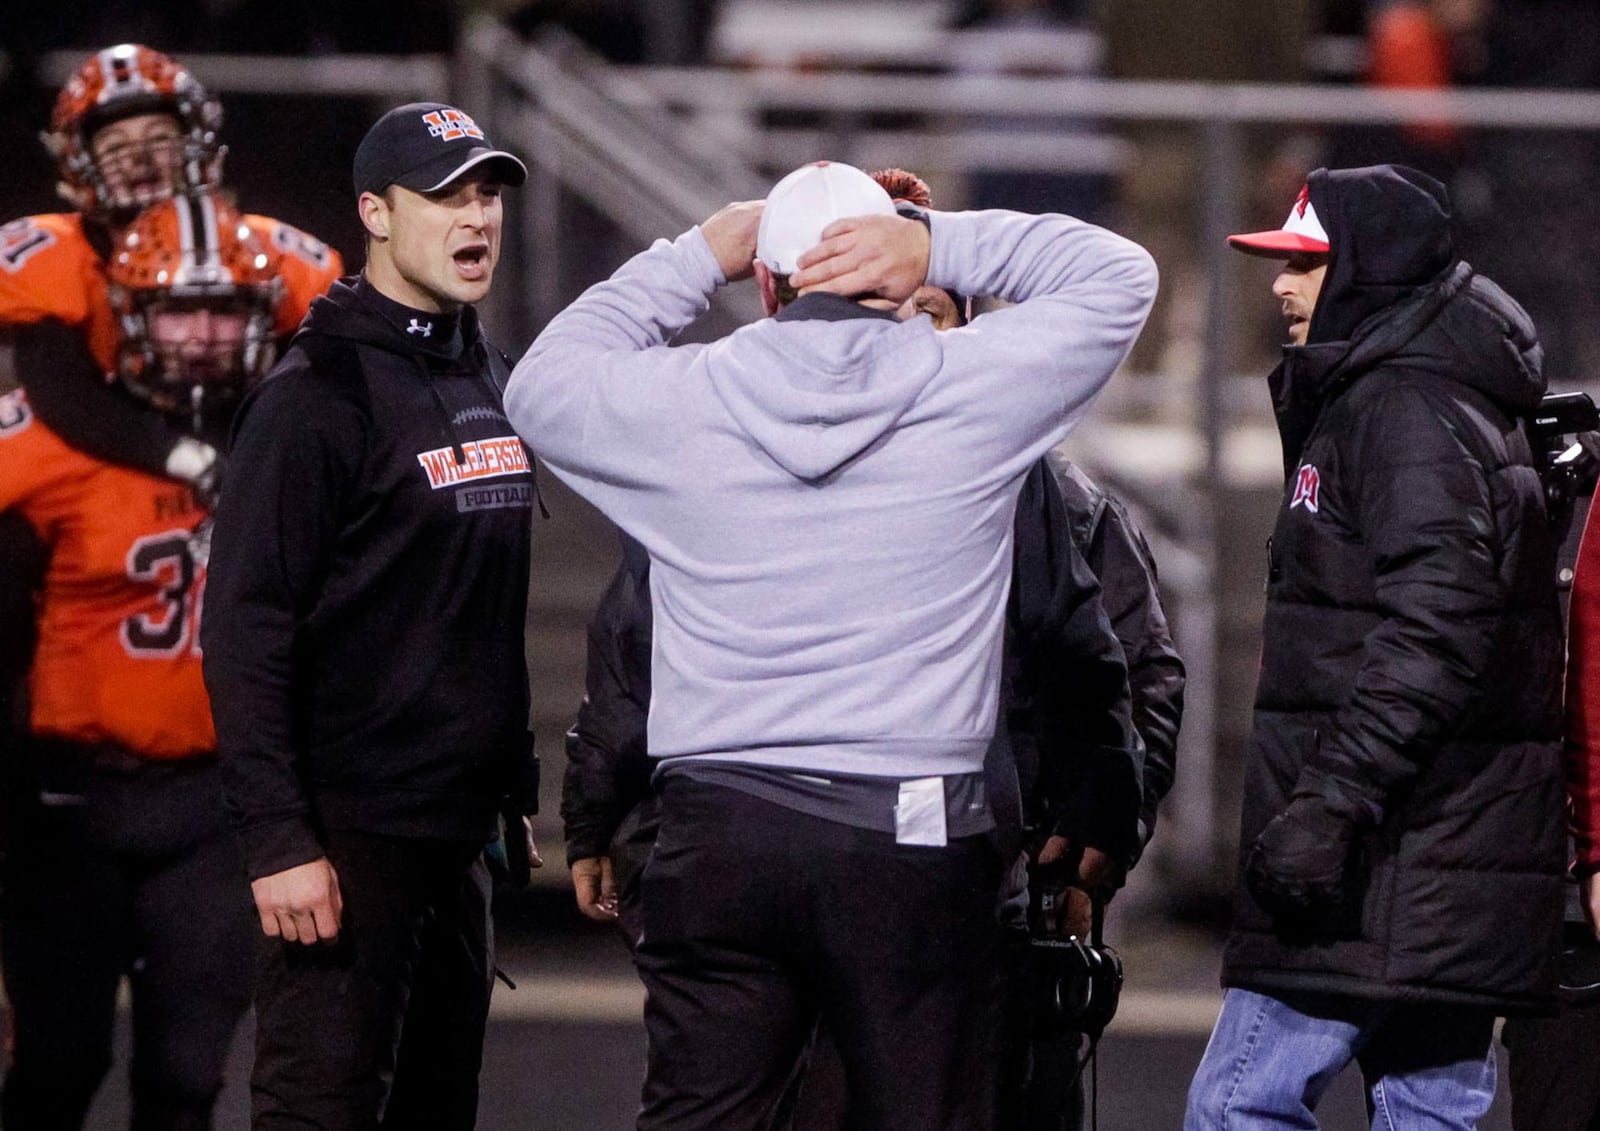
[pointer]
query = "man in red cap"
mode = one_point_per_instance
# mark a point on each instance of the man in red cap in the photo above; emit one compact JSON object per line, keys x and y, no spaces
{"x":1402,"y":835}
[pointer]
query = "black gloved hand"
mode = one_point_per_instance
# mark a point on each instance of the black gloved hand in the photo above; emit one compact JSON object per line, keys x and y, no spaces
{"x":1299,"y":864}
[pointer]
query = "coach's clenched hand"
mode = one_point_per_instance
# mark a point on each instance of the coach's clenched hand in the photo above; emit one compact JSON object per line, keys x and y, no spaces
{"x":300,"y":904}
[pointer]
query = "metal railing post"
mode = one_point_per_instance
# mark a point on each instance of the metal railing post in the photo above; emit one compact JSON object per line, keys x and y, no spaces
{"x":1201,"y":798}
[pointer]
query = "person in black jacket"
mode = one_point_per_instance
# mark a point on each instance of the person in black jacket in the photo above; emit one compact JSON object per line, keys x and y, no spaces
{"x":1060,"y":763}
{"x":1402,"y":842}
{"x":364,"y":651}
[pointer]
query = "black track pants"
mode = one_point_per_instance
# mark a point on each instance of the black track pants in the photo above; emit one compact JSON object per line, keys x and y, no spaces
{"x":121,"y":872}
{"x":384,"y":1027}
{"x":758,"y":920}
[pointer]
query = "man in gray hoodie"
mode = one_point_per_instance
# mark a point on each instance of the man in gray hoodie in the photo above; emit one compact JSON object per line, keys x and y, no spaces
{"x":827,"y":498}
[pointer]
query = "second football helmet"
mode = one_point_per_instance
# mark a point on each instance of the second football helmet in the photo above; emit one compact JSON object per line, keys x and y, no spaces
{"x":195,"y":292}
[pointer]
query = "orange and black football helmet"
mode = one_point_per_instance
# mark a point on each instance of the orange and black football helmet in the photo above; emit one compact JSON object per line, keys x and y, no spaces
{"x":191,"y":261}
{"x":119,"y":82}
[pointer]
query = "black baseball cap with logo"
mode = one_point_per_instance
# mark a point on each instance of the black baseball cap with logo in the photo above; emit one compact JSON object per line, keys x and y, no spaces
{"x":423,"y":146}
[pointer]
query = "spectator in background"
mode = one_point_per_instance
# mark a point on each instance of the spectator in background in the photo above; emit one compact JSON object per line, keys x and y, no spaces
{"x":669,"y":32}
{"x":1028,"y":37}
{"x":1536,"y":221}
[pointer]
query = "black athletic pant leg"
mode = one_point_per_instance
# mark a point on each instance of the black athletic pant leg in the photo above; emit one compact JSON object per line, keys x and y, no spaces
{"x":910,"y":938}
{"x":330,"y":1017}
{"x":62,"y":952}
{"x":194,"y":945}
{"x":719,"y":956}
{"x":1555,"y":1070}
{"x":120,"y":866}
{"x":449,"y":995}
{"x":757,"y":918}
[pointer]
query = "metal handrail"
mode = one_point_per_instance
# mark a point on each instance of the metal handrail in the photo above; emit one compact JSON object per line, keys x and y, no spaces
{"x":393,"y":77}
{"x":645,"y":147}
{"x":648,"y":172}
{"x":1118,"y":99}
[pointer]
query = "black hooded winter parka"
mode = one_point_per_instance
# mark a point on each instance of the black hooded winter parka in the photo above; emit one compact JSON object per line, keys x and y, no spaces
{"x":1411,"y":659}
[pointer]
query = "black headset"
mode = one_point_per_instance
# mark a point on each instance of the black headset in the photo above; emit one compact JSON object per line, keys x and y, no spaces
{"x":1076,"y":983}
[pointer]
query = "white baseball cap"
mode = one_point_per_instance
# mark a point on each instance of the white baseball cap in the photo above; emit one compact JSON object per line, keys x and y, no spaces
{"x":1301,"y":232}
{"x":807,"y":201}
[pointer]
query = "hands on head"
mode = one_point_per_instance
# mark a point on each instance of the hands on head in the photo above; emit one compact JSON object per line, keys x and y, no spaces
{"x":731,"y":233}
{"x":883,"y":256}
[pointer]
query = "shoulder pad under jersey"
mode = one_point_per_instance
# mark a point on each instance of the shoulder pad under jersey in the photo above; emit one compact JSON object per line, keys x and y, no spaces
{"x":307,"y":266}
{"x":48,"y":270}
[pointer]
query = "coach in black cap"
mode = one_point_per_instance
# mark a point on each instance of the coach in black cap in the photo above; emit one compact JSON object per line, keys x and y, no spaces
{"x":364,"y":652}
{"x":424,"y":146}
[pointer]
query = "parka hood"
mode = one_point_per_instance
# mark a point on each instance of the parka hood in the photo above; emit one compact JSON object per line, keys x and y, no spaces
{"x":1395,"y":294}
{"x":814,"y":398}
{"x":1388,"y":234}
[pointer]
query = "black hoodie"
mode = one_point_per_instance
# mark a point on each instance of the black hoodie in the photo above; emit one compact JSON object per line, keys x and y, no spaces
{"x":1411,"y":650}
{"x":367,"y":591}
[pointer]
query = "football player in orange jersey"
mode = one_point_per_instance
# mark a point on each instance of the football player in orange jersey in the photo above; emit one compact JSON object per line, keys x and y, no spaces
{"x":119,"y":859}
{"x":130,"y":127}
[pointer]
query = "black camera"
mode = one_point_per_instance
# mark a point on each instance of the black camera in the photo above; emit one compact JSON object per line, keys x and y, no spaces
{"x":1566,"y":465}
{"x":1560,"y":415}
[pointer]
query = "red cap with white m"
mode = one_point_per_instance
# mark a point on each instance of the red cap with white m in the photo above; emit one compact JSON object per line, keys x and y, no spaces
{"x":1302,"y":232}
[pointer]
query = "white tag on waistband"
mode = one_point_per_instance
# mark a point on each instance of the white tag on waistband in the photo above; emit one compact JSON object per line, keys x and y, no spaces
{"x":919,"y":815}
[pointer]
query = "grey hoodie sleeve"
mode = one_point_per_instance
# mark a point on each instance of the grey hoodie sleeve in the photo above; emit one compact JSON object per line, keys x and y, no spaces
{"x":651,"y":297}
{"x":1081,"y":296}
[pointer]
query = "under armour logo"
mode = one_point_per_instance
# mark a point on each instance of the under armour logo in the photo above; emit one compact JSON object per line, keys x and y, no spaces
{"x":1302,"y":201}
{"x":423,"y":328}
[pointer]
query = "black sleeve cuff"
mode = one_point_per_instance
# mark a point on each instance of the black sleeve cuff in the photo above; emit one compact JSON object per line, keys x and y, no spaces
{"x":1103,"y":810}
{"x":278,"y":846}
{"x":590,"y":834}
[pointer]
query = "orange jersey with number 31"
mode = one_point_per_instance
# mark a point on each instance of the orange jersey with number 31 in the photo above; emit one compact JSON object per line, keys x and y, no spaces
{"x":118,"y":658}
{"x":48,"y":269}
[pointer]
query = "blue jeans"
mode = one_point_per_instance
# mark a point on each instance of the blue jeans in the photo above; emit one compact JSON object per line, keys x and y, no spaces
{"x":1269,"y":1063}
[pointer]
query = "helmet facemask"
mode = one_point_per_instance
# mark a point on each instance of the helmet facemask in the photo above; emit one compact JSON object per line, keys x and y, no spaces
{"x":130,"y":128}
{"x":196,"y":297}
{"x":194,"y":355}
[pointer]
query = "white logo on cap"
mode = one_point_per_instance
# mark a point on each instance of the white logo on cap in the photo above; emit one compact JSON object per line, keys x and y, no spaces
{"x":449,"y":124}
{"x":1303,"y":220}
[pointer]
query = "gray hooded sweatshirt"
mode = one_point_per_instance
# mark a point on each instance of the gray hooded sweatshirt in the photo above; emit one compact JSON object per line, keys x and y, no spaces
{"x":828,"y":504}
